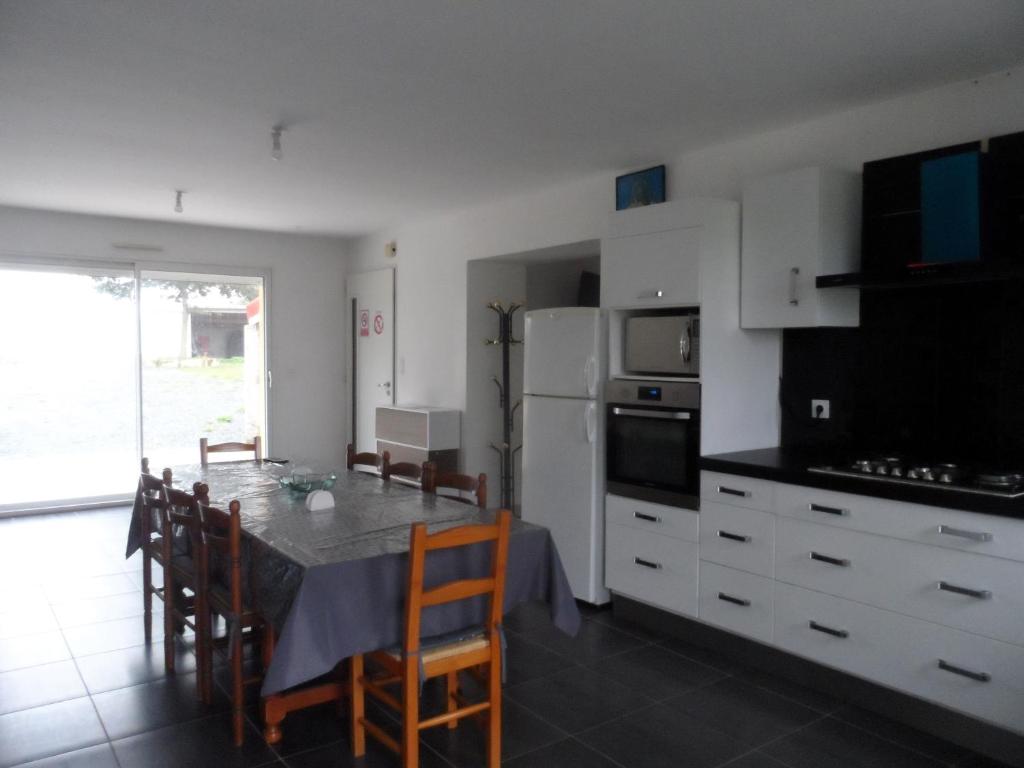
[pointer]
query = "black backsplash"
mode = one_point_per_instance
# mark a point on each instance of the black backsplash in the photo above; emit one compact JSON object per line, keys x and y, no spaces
{"x":935,"y":372}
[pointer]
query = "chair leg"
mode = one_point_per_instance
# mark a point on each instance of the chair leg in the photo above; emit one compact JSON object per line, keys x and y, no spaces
{"x":358,"y":708}
{"x":410,"y":714}
{"x":147,"y":595}
{"x":168,"y":621}
{"x":237,"y":688}
{"x":494,"y":716}
{"x":205,"y":641}
{"x":200,"y":623}
{"x":452,"y":687}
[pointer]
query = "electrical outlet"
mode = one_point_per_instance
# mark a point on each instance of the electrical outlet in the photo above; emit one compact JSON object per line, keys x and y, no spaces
{"x":819,"y":409}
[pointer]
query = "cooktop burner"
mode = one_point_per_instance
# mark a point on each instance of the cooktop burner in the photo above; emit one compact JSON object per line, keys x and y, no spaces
{"x":893,"y":469}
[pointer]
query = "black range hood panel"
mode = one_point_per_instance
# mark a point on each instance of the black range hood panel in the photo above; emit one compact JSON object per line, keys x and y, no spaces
{"x":927,"y":275}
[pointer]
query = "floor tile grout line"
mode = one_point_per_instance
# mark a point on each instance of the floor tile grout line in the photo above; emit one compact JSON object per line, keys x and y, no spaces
{"x":778,"y":738}
{"x":907,"y":747}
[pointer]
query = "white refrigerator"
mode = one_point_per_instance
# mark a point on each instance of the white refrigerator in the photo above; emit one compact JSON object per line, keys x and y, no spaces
{"x":563,"y":439}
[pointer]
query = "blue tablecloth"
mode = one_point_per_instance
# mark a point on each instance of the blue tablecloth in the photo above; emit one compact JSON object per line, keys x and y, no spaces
{"x":333,"y":581}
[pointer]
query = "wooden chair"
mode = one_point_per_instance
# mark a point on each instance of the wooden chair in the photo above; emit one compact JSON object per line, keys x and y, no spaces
{"x":364,"y":459}
{"x":256,"y":446}
{"x":433,"y":659}
{"x":152,"y":503}
{"x":452,"y":481}
{"x":222,"y":548}
{"x":404,"y":470}
{"x":181,"y":568}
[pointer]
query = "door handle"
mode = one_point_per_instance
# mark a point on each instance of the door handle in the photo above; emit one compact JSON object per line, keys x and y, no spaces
{"x":794,"y":273}
{"x":590,"y":376}
{"x":590,"y":422}
{"x":384,"y":385}
{"x":651,"y":294}
{"x":685,"y":344}
{"x":640,"y":413}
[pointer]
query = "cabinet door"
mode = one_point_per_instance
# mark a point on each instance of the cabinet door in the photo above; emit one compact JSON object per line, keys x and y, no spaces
{"x":652,"y":269}
{"x":780,"y":235}
{"x":796,"y":226}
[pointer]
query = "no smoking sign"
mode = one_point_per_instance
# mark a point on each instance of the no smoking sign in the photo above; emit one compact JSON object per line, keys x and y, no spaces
{"x":378,"y":323}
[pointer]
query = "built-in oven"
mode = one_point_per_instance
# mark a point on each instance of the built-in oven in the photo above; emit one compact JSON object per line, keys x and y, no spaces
{"x":653,"y":441}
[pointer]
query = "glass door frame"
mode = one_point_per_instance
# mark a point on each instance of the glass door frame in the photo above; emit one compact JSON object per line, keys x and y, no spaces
{"x":72,"y":264}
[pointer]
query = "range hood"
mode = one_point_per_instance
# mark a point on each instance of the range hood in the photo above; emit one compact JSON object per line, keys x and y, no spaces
{"x":925,"y":275}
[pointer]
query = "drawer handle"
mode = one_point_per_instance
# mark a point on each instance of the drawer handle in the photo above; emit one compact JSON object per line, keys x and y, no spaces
{"x":651,"y":294}
{"x":827,"y":510}
{"x":840,"y":561}
{"x":733,"y":536}
{"x":960,"y":533}
{"x":842,"y":633}
{"x":648,"y":518}
{"x":733,"y":491}
{"x":733,"y":600}
{"x":981,"y":594}
{"x":647,"y":563}
{"x":981,"y":677}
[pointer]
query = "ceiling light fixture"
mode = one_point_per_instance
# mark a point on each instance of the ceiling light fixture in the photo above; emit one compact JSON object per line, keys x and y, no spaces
{"x":275,"y":136}
{"x":177,"y":200}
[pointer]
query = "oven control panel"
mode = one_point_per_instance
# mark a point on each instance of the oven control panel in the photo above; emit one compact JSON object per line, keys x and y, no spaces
{"x":674,"y":394}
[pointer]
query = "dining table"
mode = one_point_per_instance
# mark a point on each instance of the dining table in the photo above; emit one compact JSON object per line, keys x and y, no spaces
{"x":332,"y":582}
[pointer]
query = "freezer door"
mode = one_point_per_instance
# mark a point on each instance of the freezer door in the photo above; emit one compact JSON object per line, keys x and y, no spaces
{"x":563,"y":485}
{"x":563,"y":352}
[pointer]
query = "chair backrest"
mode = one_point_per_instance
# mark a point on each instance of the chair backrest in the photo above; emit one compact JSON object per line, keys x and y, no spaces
{"x":182,"y":508}
{"x":256,"y":446}
{"x":434,"y":481}
{"x":221,"y":533}
{"x":364,"y":459}
{"x":404,"y":470}
{"x":418,"y":598}
{"x":151,"y":493}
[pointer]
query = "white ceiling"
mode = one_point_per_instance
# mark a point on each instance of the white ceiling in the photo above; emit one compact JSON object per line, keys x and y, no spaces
{"x":399,"y":108}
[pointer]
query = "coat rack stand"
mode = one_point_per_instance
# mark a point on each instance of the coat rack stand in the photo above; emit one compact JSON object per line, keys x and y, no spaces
{"x":508,"y":409}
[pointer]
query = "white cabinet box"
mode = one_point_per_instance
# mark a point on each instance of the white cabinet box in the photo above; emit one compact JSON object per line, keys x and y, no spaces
{"x":796,"y":226}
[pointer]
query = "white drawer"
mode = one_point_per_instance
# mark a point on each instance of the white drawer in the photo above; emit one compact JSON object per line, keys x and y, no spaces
{"x":739,"y":491}
{"x":737,"y":601}
{"x":737,"y":537}
{"x":659,"y":570}
{"x":666,"y":521}
{"x":969,"y":531}
{"x":979,"y":594}
{"x":904,"y":653}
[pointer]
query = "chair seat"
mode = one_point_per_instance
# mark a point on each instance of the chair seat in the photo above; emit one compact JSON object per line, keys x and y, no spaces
{"x":219,"y":599}
{"x":445,"y":646}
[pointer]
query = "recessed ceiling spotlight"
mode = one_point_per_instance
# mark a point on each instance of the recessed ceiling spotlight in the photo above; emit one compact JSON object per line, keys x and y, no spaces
{"x":177,"y":200}
{"x":275,"y":138}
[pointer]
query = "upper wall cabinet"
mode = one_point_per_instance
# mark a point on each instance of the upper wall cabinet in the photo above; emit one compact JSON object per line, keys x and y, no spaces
{"x":797,"y":225}
{"x":651,"y":258}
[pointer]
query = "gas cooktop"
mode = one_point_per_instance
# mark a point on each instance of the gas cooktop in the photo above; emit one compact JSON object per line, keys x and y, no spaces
{"x":985,"y":481}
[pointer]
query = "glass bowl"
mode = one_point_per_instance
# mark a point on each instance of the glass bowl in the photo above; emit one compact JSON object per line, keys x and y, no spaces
{"x":304,"y":482}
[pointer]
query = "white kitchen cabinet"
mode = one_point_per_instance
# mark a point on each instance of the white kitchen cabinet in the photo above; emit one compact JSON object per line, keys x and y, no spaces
{"x":659,"y":570}
{"x":652,"y":269}
{"x":796,"y":226}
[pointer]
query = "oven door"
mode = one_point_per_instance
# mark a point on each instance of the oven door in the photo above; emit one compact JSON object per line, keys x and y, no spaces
{"x":652,"y":454}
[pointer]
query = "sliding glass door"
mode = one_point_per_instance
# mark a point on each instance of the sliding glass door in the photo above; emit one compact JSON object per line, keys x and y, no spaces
{"x":100,"y":366}
{"x":203,"y":372}
{"x":68,"y":415}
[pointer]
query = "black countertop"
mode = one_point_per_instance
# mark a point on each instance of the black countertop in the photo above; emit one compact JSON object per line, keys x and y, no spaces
{"x":790,"y":466}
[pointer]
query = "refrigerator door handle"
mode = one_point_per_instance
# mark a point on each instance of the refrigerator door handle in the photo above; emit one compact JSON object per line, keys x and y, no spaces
{"x":590,"y":376}
{"x":590,"y":421}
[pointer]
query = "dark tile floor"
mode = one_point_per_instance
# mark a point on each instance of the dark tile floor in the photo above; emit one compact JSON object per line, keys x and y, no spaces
{"x":80,"y":689}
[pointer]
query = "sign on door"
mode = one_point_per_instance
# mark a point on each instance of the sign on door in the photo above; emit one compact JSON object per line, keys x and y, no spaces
{"x":364,"y":322}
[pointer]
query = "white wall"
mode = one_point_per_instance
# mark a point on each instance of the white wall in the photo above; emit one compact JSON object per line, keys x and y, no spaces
{"x":432,"y":253}
{"x":557,"y":284}
{"x":306,"y":343}
{"x":482,"y":417}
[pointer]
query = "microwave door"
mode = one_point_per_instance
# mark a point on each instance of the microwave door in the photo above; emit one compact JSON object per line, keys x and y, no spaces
{"x":661,"y":345}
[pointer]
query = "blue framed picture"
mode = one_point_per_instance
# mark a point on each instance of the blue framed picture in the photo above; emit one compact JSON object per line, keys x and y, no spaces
{"x":645,"y":187}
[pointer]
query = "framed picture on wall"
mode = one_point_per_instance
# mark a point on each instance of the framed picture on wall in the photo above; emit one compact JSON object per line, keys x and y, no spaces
{"x":645,"y":187}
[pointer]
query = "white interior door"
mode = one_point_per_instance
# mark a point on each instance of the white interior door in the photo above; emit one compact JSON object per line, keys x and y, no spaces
{"x":371,"y":299}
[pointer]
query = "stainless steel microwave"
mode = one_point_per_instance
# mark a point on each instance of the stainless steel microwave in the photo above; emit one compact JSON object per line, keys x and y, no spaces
{"x":662,"y":345}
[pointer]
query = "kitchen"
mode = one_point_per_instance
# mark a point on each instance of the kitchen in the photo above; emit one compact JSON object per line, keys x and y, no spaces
{"x":874,"y":385}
